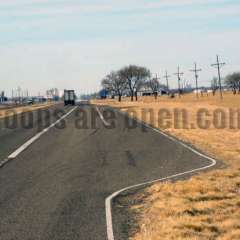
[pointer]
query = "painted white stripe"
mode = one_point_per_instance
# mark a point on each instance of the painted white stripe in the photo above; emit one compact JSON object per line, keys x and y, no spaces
{"x":108,"y":201}
{"x":101,"y":117}
{"x":33,"y":139}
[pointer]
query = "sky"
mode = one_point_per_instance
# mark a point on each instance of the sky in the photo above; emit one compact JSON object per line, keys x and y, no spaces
{"x":73,"y":44}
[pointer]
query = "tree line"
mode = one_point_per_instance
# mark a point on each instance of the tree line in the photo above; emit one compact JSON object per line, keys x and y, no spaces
{"x":129,"y":80}
{"x":233,"y":82}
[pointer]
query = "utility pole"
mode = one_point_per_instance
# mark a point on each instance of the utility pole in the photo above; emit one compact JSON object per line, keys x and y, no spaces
{"x":179,"y":74}
{"x":185,"y":84}
{"x":19,"y":94}
{"x":196,"y":70}
{"x":167,"y":77}
{"x":157,"y":78}
{"x":219,"y":65}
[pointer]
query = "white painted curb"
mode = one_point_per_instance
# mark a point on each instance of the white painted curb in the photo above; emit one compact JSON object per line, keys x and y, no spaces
{"x":33,"y":139}
{"x":108,"y":200}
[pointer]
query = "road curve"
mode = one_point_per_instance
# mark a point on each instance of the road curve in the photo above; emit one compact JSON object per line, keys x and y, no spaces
{"x":56,"y":189}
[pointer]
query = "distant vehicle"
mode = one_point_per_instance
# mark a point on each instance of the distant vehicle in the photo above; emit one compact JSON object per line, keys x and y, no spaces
{"x":69,"y":97}
{"x":103,"y":94}
{"x":30,"y":101}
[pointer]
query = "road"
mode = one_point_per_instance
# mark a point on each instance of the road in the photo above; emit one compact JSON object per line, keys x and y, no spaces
{"x":56,"y":188}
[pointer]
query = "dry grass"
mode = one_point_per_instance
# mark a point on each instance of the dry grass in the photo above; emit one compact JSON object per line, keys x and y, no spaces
{"x":17,"y":110}
{"x":208,"y":205}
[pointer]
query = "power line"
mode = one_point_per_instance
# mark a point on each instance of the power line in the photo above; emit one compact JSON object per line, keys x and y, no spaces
{"x":195,"y":70}
{"x":167,"y":77}
{"x":179,"y":74}
{"x":219,"y":65}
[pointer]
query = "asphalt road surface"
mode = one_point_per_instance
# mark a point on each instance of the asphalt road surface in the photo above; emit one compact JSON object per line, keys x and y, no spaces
{"x":56,"y":188}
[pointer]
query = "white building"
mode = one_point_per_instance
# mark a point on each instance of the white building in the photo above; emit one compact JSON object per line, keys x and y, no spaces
{"x":146,"y":91}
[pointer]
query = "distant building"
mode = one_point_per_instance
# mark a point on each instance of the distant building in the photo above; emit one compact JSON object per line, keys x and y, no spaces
{"x":2,"y":97}
{"x":146,"y":91}
{"x":53,"y":94}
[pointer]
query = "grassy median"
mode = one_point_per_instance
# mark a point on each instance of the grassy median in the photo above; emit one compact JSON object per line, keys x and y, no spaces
{"x":208,"y":205}
{"x":21,"y":109}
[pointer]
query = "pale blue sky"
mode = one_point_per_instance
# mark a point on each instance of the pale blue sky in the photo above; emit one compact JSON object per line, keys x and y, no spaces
{"x":74,"y":43}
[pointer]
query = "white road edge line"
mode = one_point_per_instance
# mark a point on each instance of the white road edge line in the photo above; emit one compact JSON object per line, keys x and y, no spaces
{"x":33,"y":139}
{"x":108,"y":200}
{"x":101,"y":117}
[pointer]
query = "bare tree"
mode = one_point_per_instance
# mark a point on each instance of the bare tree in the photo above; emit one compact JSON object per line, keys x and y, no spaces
{"x":154,"y":85}
{"x":114,"y":84}
{"x":233,"y":81}
{"x":134,"y":76}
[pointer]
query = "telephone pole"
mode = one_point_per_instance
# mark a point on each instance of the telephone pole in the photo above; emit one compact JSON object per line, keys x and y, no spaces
{"x":179,"y":74}
{"x":157,"y":78}
{"x":219,"y":65}
{"x":196,"y":70}
{"x":19,"y":94}
{"x":167,"y":77}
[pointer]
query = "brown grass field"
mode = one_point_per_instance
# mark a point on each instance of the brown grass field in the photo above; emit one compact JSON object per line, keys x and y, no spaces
{"x":17,"y":110}
{"x":208,"y":205}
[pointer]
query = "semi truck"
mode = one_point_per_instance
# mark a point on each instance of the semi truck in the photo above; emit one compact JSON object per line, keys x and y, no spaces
{"x":69,"y":97}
